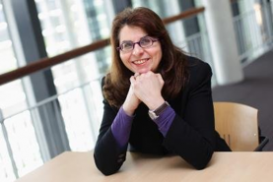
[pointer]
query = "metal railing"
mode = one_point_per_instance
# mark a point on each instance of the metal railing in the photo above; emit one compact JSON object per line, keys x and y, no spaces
{"x":254,"y":31}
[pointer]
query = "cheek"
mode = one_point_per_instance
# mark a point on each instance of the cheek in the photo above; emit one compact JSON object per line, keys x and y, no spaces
{"x":157,"y":52}
{"x":158,"y":56}
{"x":124,"y":59}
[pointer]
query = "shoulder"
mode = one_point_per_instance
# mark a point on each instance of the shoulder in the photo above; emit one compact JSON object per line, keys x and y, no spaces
{"x":198,"y":70}
{"x":197,"y":65}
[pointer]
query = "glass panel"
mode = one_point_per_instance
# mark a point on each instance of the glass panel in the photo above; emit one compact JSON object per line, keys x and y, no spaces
{"x":6,"y":171}
{"x":76,"y":119}
{"x":8,"y":62}
{"x":7,"y":58}
{"x":67,"y":24}
{"x":155,"y":5}
{"x":253,"y":27}
{"x":13,"y":100}
{"x":74,"y":23}
{"x":23,"y":142}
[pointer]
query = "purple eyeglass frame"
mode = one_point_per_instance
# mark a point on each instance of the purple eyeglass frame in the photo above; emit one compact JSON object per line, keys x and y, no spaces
{"x":134,"y":43}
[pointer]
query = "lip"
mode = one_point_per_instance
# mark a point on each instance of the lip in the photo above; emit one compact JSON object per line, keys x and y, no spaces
{"x":140,"y":62}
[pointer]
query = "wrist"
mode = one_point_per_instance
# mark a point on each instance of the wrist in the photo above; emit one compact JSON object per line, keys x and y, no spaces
{"x":154,"y":114}
{"x":129,"y":112}
{"x":156,"y":103}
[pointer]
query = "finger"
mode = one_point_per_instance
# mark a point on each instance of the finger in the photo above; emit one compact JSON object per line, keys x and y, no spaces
{"x":136,"y":75}
{"x":160,"y":77}
{"x":132,"y":80}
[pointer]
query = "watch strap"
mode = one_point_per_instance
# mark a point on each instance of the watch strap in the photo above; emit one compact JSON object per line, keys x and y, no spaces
{"x":161,"y":108}
{"x":155,"y":113}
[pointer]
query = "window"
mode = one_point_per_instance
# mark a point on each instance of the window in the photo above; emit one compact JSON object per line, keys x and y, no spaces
{"x":17,"y":136}
{"x":66,"y":25}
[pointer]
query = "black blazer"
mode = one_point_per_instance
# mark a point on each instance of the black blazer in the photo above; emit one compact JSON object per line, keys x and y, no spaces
{"x":191,"y":135}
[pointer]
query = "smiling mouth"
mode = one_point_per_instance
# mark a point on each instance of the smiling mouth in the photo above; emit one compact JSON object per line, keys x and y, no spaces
{"x":141,"y":61}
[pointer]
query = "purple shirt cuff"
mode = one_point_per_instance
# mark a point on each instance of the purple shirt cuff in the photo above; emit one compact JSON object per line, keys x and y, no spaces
{"x":165,"y":120}
{"x":121,"y":127}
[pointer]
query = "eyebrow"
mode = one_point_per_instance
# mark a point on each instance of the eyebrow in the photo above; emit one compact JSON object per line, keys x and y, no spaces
{"x":133,"y":41}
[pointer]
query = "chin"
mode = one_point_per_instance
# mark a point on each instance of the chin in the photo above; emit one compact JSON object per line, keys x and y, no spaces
{"x":144,"y":70}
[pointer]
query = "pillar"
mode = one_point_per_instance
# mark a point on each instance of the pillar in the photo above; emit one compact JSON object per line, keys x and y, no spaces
{"x":222,"y":37}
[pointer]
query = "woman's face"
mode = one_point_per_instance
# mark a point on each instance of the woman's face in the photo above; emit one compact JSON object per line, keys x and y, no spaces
{"x":139,"y":60}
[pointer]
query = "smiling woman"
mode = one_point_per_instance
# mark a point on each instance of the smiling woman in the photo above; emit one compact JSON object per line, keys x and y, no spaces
{"x":157,"y":100}
{"x":139,"y":52}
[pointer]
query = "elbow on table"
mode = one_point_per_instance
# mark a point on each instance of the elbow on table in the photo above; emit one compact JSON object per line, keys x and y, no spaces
{"x":105,"y":168}
{"x":202,"y":163}
{"x":107,"y":172}
{"x":201,"y":166}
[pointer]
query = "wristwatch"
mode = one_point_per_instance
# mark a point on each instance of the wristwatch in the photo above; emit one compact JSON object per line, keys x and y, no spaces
{"x":155,"y":113}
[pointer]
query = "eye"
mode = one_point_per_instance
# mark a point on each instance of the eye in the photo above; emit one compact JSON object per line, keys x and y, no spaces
{"x":127,"y":45}
{"x":145,"y":41}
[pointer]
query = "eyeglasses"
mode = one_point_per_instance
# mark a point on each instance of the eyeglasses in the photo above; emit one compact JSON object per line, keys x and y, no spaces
{"x":144,"y":42}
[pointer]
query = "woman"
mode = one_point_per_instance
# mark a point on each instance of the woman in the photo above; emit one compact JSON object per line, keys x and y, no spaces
{"x":156,"y":98}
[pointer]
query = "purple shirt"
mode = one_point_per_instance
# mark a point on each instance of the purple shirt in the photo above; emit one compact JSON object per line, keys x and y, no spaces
{"x":121,"y":126}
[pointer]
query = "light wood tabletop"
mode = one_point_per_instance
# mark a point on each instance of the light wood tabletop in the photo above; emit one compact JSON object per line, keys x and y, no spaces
{"x":224,"y":166}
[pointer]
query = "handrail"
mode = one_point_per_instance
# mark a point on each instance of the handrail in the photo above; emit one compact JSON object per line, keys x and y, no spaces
{"x":48,"y":62}
{"x":184,"y":15}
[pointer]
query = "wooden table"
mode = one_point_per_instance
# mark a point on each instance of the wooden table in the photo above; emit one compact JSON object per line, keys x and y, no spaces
{"x":224,"y":166}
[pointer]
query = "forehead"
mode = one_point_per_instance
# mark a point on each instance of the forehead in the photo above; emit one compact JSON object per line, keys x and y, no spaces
{"x":132,"y":33}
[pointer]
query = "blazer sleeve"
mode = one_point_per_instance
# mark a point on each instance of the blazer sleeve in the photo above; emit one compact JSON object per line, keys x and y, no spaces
{"x":108,"y":155}
{"x":192,"y":134}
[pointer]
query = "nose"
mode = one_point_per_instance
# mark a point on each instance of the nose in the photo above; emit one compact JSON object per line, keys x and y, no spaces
{"x":137,"y":49}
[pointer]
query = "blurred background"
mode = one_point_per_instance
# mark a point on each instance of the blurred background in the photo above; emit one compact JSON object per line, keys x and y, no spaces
{"x":59,"y":108}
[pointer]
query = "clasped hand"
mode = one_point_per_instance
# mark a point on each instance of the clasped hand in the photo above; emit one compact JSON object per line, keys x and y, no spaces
{"x":144,"y":88}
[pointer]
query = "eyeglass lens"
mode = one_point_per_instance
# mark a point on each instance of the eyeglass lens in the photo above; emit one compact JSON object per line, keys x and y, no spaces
{"x":143,"y":42}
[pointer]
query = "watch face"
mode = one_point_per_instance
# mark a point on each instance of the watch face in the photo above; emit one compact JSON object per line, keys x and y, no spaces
{"x":152,"y":115}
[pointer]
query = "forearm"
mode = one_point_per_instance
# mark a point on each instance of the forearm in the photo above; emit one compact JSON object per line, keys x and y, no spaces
{"x":187,"y":142}
{"x":183,"y":139}
{"x":108,"y":155}
{"x":165,"y":120}
{"x":121,"y":127}
{"x":111,"y":147}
